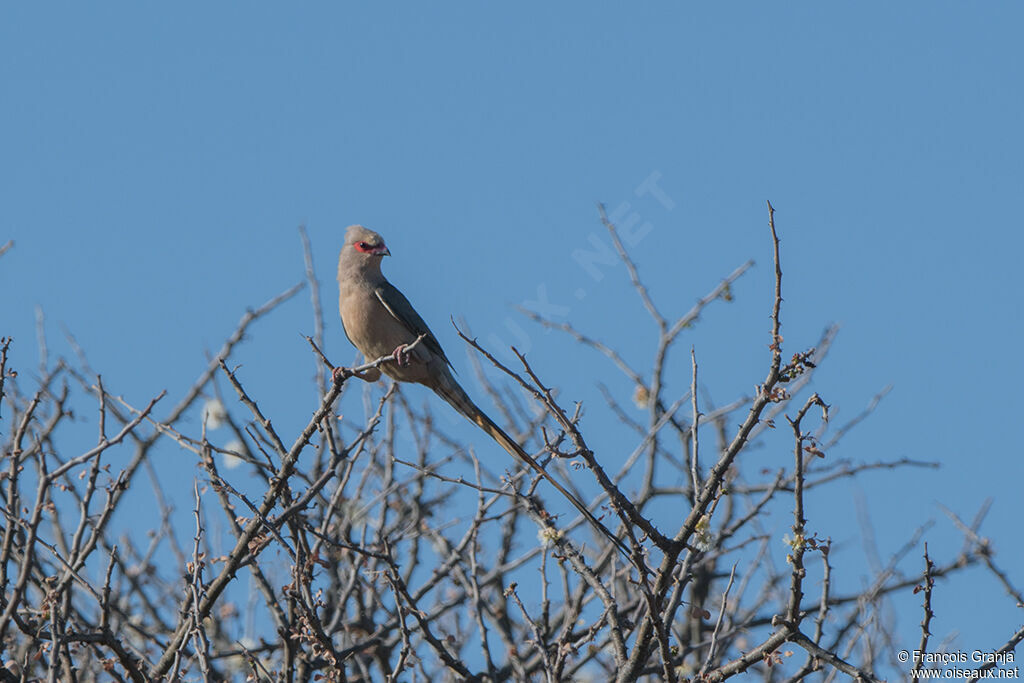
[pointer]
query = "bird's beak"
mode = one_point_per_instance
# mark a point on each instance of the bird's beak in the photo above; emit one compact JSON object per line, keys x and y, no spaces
{"x":384,"y":251}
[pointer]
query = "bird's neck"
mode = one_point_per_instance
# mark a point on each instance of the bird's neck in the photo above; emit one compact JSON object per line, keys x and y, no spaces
{"x":367,"y":272}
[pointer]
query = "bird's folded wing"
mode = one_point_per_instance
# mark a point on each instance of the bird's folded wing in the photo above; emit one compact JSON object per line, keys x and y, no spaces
{"x":400,"y":308}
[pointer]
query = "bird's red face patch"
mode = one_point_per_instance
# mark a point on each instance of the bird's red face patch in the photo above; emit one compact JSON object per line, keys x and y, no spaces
{"x":367,"y":248}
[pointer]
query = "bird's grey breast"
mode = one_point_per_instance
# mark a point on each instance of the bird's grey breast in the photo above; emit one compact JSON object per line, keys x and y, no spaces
{"x":368,"y":324}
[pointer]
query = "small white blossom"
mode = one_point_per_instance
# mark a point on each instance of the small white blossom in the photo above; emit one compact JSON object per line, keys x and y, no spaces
{"x":230,"y":461}
{"x":641,"y":397}
{"x":795,"y":542}
{"x":548,"y":535}
{"x":214,"y":414}
{"x":703,"y":538}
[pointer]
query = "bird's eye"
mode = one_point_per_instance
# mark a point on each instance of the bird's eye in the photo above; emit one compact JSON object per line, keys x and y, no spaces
{"x":369,"y":247}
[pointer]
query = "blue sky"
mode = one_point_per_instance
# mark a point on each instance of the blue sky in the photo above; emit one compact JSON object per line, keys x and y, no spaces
{"x":156,"y":165}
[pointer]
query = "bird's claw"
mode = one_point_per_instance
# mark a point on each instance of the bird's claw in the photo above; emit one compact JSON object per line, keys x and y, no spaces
{"x":401,"y":355}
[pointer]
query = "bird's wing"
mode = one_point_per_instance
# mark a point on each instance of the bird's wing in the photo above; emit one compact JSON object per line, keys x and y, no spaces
{"x":400,"y":308}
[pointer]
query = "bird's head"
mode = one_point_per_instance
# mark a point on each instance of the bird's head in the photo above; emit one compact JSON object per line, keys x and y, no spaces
{"x":361,"y":256}
{"x":366,"y":243}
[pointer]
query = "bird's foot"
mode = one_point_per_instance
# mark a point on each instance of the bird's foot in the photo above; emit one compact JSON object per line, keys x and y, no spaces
{"x":340,"y":374}
{"x":401,"y":355}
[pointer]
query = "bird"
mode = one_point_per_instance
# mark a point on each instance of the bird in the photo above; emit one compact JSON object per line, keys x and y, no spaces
{"x":379,"y":321}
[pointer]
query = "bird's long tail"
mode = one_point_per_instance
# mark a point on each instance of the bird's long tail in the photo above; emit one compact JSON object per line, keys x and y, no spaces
{"x":450,"y":391}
